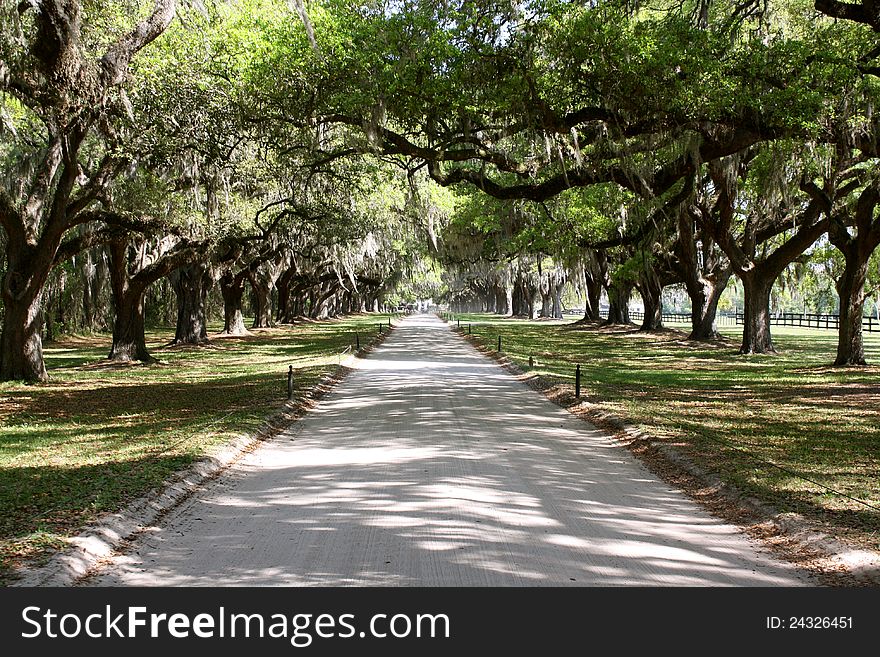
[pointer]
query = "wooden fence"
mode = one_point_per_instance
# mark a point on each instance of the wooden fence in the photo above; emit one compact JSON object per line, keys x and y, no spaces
{"x":803,"y":320}
{"x":638,"y":316}
{"x":816,"y":321}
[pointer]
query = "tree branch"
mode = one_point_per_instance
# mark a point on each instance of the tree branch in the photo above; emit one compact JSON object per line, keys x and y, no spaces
{"x":9,"y":217}
{"x":811,"y":226}
{"x":58,"y":31}
{"x":74,"y":245}
{"x":127,"y":221}
{"x":117,"y":59}
{"x":109,"y":167}
{"x":868,"y":201}
{"x":817,"y":194}
{"x":845,"y":10}
{"x":183,"y":253}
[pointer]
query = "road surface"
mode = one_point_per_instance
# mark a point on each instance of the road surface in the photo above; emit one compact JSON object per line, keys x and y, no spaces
{"x":430,"y":465}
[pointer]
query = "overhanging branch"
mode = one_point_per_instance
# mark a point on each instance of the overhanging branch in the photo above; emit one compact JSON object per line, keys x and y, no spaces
{"x":117,"y":59}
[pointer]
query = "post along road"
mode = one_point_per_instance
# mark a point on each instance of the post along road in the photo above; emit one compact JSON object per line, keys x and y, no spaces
{"x":430,"y":465}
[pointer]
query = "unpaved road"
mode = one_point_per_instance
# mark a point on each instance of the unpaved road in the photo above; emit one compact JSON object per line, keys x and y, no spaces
{"x":432,"y":466}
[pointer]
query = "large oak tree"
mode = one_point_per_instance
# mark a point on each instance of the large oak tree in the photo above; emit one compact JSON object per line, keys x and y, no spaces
{"x":69,"y":85}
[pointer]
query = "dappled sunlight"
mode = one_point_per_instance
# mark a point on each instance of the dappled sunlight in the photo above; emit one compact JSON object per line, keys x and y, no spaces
{"x":383,"y":364}
{"x":99,"y":434}
{"x":361,"y":456}
{"x":785,"y":429}
{"x":430,"y":466}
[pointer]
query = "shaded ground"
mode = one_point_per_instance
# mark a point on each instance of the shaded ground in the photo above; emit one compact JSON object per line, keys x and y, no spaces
{"x":432,"y":466}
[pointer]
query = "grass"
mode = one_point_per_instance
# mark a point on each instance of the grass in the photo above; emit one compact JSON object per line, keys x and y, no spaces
{"x":99,"y":435}
{"x":788,"y":429}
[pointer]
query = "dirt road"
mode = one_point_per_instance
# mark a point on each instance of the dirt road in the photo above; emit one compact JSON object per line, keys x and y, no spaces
{"x":432,"y":466}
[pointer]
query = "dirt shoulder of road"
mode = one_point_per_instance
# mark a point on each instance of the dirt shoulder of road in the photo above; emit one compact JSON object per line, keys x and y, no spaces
{"x":790,"y":536}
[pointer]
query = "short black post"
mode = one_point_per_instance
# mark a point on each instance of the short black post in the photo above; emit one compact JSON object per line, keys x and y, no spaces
{"x":469,"y":329}
{"x":459,"y":322}
{"x":577,"y":381}
{"x":357,"y":341}
{"x":531,"y":362}
{"x":389,"y":323}
{"x":380,"y":328}
{"x":290,"y":382}
{"x":499,"y":344}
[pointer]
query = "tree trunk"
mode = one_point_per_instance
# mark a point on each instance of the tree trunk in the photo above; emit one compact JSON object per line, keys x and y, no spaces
{"x":618,"y":303}
{"x":191,"y":285}
{"x":129,"y":343}
{"x":284,"y":314}
{"x":557,"y":301}
{"x":595,"y":275}
{"x":89,"y":295}
{"x":21,"y":345}
{"x":490,"y":301}
{"x":545,"y":304}
{"x":651,"y":290}
{"x":517,"y":300}
{"x":756,"y":314}
{"x":594,"y":294}
{"x":322,"y":307}
{"x":857,"y":250}
{"x":704,"y":306}
{"x":851,"y":289}
{"x":232,"y":289}
{"x":128,"y":294}
{"x":531,"y":293}
{"x":705,"y":278}
{"x":260,"y":291}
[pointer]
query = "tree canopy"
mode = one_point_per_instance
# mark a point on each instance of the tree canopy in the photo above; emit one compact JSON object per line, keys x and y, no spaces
{"x":337,"y":155}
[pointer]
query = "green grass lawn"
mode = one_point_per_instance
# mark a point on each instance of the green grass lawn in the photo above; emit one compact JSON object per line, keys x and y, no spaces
{"x":99,"y":435}
{"x":734,"y":415}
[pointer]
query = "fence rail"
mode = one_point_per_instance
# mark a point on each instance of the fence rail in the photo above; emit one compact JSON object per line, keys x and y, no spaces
{"x":814,"y":320}
{"x":804,"y":320}
{"x":675,"y":318}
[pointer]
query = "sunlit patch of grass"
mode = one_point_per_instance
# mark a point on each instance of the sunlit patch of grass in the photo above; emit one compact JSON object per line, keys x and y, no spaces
{"x":785,"y":428}
{"x":99,"y":435}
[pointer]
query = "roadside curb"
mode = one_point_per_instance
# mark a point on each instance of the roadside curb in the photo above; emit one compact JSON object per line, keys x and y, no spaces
{"x":833,"y":560}
{"x":102,"y":538}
